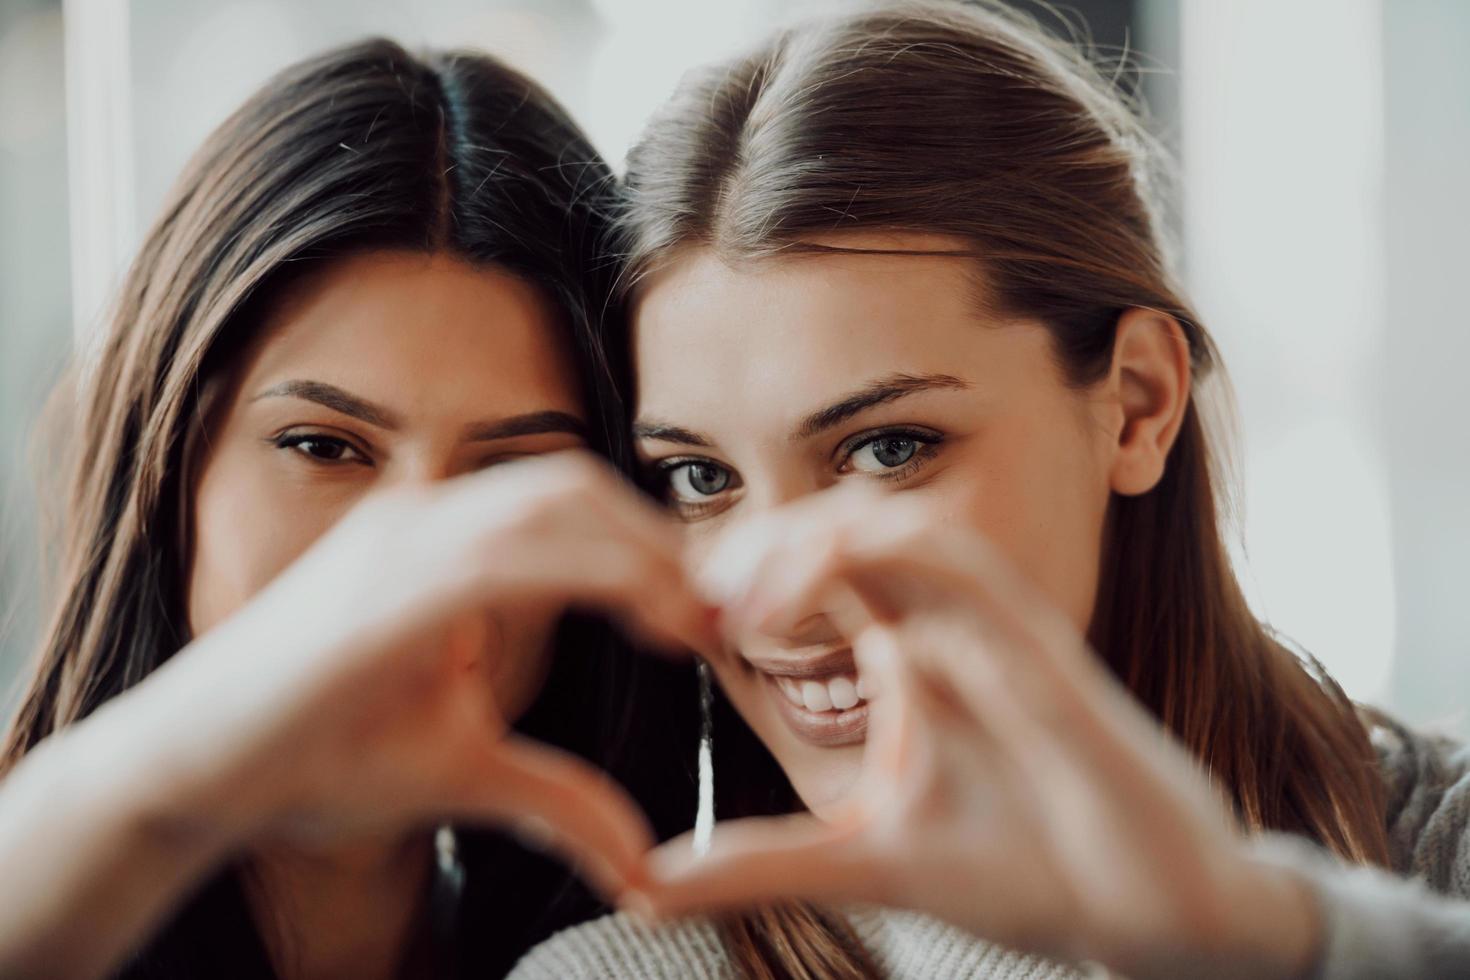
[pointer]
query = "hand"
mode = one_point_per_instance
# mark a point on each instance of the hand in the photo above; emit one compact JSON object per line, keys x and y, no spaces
{"x":350,"y":696}
{"x":1010,"y":785}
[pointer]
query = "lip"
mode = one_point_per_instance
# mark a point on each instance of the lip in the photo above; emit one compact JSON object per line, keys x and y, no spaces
{"x":823,"y":665}
{"x":828,"y":729}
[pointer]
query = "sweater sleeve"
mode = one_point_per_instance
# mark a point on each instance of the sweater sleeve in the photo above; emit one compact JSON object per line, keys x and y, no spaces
{"x":1416,"y":923}
{"x":1376,"y":924}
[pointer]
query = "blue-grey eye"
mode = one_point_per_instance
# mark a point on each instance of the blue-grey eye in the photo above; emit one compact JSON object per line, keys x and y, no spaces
{"x":884,"y":453}
{"x":691,"y":481}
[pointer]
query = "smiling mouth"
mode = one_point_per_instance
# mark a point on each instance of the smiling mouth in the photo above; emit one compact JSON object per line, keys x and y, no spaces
{"x":823,"y":700}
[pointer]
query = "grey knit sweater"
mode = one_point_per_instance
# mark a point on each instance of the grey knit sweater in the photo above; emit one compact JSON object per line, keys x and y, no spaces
{"x":1377,"y":925}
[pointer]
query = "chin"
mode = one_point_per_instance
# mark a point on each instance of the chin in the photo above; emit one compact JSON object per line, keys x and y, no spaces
{"x":824,"y":784}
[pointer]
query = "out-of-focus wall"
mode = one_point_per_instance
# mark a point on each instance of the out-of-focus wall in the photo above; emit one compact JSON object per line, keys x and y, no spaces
{"x":1323,"y":143}
{"x":1282,"y":151}
{"x":157,"y":75}
{"x":35,"y":302}
{"x":1424,"y":377}
{"x":1325,"y":148}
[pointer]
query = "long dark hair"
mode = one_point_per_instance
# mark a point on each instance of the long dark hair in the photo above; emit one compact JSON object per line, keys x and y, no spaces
{"x":363,"y":147}
{"x":966,"y":119}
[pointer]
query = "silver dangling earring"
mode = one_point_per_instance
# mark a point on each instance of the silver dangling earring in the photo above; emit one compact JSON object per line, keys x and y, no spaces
{"x":444,"y":897}
{"x":704,"y":817}
{"x":446,"y":856}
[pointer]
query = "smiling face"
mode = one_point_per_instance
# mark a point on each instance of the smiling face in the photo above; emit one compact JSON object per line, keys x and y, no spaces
{"x":381,"y":369}
{"x":761,"y":383}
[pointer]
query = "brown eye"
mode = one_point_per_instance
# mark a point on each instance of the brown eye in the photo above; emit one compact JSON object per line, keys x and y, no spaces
{"x":322,"y":449}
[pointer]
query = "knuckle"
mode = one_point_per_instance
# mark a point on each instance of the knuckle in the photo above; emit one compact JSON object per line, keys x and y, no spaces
{"x":577,"y":473}
{"x":920,"y":523}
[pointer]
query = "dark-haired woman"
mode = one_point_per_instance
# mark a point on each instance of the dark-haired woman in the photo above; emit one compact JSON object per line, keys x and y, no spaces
{"x":330,"y":486}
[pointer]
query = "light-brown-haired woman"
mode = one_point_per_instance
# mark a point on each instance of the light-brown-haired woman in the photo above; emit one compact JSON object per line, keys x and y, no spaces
{"x":915,"y":248}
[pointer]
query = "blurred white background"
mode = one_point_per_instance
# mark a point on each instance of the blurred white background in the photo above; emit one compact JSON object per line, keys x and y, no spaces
{"x":1325,"y":150}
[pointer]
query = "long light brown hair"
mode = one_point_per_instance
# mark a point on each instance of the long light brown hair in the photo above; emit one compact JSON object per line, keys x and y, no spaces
{"x":967,"y":120}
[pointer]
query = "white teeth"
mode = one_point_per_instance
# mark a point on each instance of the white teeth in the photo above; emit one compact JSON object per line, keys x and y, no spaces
{"x":814,"y":696}
{"x":838,"y":693}
{"x":862,"y":690}
{"x":842,"y":693}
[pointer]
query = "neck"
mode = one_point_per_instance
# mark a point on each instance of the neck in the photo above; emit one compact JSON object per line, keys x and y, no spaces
{"x":351,"y":910}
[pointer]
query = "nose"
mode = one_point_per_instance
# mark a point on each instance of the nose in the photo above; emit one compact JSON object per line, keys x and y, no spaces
{"x":780,"y":488}
{"x":420,"y":465}
{"x":815,"y":630}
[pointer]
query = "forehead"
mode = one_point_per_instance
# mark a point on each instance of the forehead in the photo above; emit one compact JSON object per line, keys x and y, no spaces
{"x":795,"y":330}
{"x":430,"y":328}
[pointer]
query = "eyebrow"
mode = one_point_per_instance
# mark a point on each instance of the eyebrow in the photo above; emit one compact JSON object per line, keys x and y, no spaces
{"x":878,"y":392}
{"x":665,"y":432}
{"x":338,"y":400}
{"x":330,"y":396}
{"x":530,"y":424}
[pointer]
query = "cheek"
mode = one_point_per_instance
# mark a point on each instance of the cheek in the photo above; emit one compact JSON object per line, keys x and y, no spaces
{"x":1039,"y":493}
{"x":821,"y":776}
{"x":247,"y":528}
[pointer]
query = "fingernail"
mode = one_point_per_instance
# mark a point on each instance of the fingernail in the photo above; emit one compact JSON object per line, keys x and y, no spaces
{"x":533,"y":832}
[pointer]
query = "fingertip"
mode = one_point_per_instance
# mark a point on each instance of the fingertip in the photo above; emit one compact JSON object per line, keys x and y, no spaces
{"x":640,"y":906}
{"x":603,"y":877}
{"x":534,"y":833}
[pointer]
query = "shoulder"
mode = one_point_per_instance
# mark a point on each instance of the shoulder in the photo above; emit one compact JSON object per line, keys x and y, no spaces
{"x":1427,"y":780}
{"x":620,"y":946}
{"x":909,"y":945}
{"x":904,"y":946}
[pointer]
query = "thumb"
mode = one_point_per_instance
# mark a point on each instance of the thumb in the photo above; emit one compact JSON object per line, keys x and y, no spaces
{"x":557,"y":802}
{"x":755,"y":861}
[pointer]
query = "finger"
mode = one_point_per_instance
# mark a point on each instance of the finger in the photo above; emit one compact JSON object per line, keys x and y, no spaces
{"x":779,"y":570}
{"x":561,"y":803}
{"x":700,"y":638}
{"x":751,"y":553}
{"x":648,"y":594}
{"x":901,"y":557}
{"x":569,"y":528}
{"x":1007,"y":688}
{"x":759,"y":860}
{"x":632,"y":562}
{"x":891,"y":699}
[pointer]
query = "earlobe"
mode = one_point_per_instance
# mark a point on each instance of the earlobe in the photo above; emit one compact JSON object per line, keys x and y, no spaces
{"x":1150,"y":377}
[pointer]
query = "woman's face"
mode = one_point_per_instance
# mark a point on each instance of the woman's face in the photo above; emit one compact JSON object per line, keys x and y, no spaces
{"x":382,"y":369}
{"x":761,"y":383}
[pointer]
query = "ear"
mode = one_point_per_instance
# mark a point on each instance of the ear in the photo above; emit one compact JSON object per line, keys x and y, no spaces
{"x":1149,"y":385}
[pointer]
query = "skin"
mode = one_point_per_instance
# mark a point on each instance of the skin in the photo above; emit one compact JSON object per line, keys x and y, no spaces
{"x":442,"y":359}
{"x":373,"y":591}
{"x":386,"y":370}
{"x":1001,"y":750}
{"x":960,"y":562}
{"x":1005,"y":446}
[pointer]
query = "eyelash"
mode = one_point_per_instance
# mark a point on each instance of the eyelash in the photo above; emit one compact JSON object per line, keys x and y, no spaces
{"x":664,"y":469}
{"x":927,"y":441}
{"x":295,"y":440}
